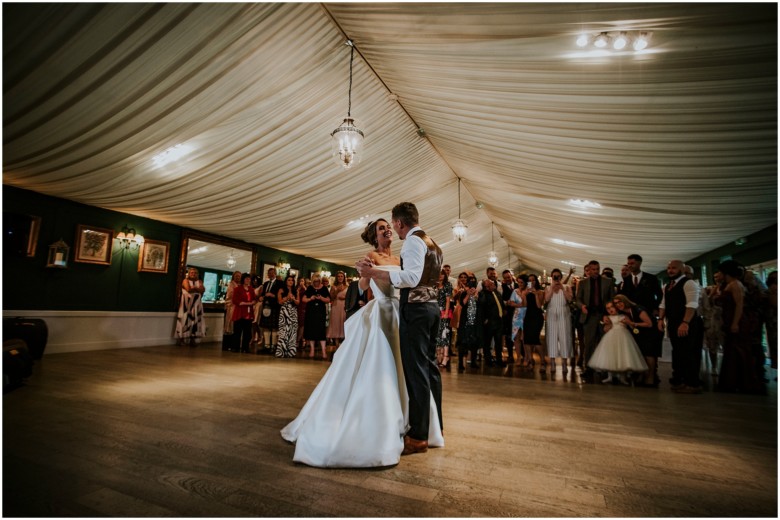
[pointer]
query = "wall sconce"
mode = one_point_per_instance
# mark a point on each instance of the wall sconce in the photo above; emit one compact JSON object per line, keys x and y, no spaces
{"x":58,"y":255}
{"x":325,"y":274}
{"x":283,"y":266}
{"x":128,"y":239}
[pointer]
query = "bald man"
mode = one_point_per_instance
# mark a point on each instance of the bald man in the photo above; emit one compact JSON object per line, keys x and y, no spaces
{"x":684,"y":325}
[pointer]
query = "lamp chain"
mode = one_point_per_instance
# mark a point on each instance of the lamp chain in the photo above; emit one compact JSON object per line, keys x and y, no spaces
{"x":351,"y":58}
{"x":458,"y":197}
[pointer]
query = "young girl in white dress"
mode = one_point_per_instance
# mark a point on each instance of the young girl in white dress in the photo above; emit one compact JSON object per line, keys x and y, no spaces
{"x":617,"y":352}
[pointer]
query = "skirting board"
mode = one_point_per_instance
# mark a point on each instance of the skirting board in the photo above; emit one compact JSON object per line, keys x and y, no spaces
{"x":78,"y":331}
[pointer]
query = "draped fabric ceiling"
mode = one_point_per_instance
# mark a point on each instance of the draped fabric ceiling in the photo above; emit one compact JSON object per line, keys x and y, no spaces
{"x":678,"y":144}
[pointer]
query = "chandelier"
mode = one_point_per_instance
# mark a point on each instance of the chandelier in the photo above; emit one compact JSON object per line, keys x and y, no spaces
{"x":347,"y":140}
{"x":492,"y":256}
{"x":459,"y":228}
{"x":231,"y":261}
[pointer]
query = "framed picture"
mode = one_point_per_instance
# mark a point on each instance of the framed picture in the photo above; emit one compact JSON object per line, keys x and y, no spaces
{"x":153,"y":257}
{"x":32,"y":240}
{"x":293,"y":272}
{"x":94,"y":245}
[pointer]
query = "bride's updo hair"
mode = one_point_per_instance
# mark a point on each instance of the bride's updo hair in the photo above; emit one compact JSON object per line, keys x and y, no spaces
{"x":369,"y":234}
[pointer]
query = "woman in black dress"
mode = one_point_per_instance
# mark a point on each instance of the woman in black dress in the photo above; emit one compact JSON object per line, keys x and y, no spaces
{"x":533,"y":323}
{"x":644,"y":327}
{"x":316,"y":298}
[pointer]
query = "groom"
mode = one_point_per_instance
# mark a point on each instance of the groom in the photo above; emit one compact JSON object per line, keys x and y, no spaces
{"x":421,"y":261}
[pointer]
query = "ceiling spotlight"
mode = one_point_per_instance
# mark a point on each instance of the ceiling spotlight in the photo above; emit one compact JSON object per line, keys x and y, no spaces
{"x":583,"y":204}
{"x":172,"y":154}
{"x":641,"y":42}
{"x":582,"y":40}
{"x":620,"y":41}
{"x":479,"y":205}
{"x":601,"y":40}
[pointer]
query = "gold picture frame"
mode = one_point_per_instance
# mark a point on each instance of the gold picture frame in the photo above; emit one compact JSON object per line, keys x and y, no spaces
{"x":93,"y":245}
{"x":153,"y":257}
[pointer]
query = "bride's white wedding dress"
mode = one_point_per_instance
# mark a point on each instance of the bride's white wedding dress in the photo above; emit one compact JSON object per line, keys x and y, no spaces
{"x":358,"y":413}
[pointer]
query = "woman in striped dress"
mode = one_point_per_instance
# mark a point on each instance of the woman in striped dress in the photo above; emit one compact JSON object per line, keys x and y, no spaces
{"x":558,"y":328}
{"x":288,"y":319}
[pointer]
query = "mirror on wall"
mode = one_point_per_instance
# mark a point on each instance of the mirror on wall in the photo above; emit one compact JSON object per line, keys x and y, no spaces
{"x":216,"y":259}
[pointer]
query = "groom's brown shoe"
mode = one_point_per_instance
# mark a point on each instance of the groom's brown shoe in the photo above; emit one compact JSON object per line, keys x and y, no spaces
{"x":414,"y":446}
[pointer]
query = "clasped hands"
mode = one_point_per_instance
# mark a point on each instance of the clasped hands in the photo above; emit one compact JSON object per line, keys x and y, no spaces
{"x":365,"y":267}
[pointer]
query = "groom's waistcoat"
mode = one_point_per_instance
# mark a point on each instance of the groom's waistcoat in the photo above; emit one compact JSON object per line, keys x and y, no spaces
{"x":425,"y":291}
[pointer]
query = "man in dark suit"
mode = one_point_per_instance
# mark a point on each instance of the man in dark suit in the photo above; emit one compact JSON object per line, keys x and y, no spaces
{"x":490,"y":309}
{"x":644,"y":289}
{"x":354,"y":299}
{"x":593,"y":292}
{"x":506,"y":289}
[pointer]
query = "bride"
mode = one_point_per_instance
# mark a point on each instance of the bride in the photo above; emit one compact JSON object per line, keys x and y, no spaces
{"x":358,"y":413}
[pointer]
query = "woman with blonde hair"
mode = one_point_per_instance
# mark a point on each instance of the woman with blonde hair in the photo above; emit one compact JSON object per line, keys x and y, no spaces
{"x":316,"y":299}
{"x":338,"y":296}
{"x":228,"y":342}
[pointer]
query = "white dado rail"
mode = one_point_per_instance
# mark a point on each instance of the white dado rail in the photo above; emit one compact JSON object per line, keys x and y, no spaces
{"x":76,"y":331}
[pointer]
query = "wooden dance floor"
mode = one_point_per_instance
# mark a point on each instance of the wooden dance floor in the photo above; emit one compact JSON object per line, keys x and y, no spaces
{"x":194,"y":432}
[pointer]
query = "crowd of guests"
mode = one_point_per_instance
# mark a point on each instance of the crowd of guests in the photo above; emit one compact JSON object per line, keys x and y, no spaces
{"x":600,"y":324}
{"x":613,"y":329}
{"x":284,"y":316}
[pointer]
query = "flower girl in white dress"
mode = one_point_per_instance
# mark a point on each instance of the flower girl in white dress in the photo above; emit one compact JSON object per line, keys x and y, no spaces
{"x":617,"y":352}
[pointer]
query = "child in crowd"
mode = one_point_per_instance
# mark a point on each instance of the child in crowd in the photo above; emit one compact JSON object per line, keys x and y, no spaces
{"x":617,"y":352}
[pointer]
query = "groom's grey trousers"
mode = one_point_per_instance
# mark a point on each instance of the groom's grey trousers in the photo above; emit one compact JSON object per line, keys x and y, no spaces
{"x":418,"y":328}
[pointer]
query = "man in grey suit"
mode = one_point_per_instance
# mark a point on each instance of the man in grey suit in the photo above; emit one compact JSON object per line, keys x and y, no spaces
{"x":593,"y":292}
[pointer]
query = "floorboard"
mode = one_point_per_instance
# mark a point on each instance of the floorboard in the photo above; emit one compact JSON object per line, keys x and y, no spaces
{"x":194,"y":432}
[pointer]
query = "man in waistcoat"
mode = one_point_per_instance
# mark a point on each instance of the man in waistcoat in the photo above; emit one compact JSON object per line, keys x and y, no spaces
{"x":683,"y":324}
{"x":418,"y":324}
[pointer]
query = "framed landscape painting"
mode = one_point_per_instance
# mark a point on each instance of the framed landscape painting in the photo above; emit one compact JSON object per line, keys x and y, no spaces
{"x":154,"y":257}
{"x":94,"y":245}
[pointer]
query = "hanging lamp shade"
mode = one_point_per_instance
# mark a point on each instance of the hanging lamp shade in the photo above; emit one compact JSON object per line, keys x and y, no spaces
{"x":459,"y":230}
{"x":347,"y":140}
{"x":347,"y":144}
{"x":492,"y":255}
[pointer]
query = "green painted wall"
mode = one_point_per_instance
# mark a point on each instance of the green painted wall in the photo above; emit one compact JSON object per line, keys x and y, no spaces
{"x":28,"y":284}
{"x":757,"y":248}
